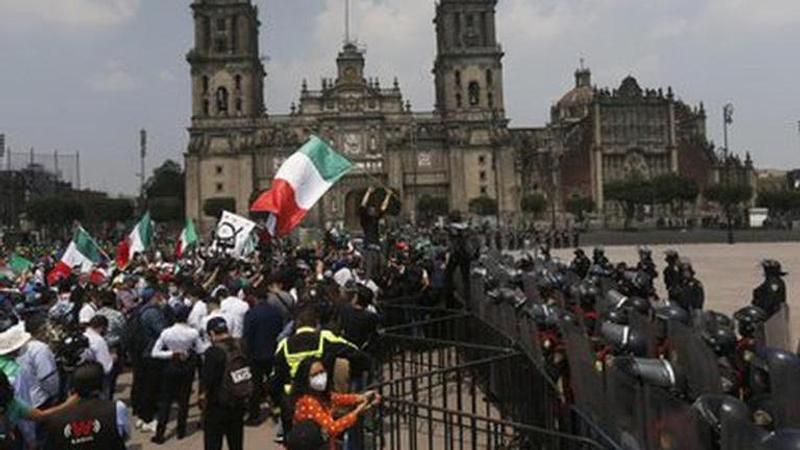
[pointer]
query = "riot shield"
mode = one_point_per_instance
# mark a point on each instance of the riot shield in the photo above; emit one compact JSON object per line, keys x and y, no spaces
{"x":784,"y":375}
{"x":645,"y":328}
{"x":530,"y":287}
{"x":477,"y":287}
{"x":739,"y":434}
{"x":695,"y":359}
{"x":672,"y":423}
{"x":777,"y":330}
{"x":624,"y":400}
{"x":585,"y":380}
{"x":508,"y":321}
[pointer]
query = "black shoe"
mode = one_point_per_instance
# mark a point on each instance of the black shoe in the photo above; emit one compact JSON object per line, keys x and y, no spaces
{"x":252,"y":421}
{"x":158,"y":440}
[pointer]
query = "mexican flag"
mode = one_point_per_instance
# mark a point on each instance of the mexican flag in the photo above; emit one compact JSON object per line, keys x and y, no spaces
{"x":300,"y":182}
{"x":136,"y":242}
{"x":188,"y":238}
{"x":82,"y":252}
{"x":19,"y":264}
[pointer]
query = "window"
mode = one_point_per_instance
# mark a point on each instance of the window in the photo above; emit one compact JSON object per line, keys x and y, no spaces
{"x":483,"y":175}
{"x":483,"y":190}
{"x":205,"y":84}
{"x":219,"y":187}
{"x":490,"y":99}
{"x":458,"y":78}
{"x":222,"y":100}
{"x":235,"y":34}
{"x":489,"y":77}
{"x":482,"y":160}
{"x":219,"y":170}
{"x":458,"y":101}
{"x":207,"y":33}
{"x":220,"y":45}
{"x":238,"y":81}
{"x":221,"y":24}
{"x":474,"y":94}
{"x":238,"y":105}
{"x":470,"y":21}
{"x":205,"y":107}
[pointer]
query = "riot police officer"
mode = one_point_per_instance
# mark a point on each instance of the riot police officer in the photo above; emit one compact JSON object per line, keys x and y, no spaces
{"x":690,"y":294}
{"x":646,"y":263}
{"x":581,"y":263}
{"x":672,"y":273}
{"x":771,"y":294}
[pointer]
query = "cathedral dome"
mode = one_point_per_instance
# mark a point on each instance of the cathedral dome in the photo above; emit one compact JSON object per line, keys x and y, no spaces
{"x":578,"y":96}
{"x":574,"y":104}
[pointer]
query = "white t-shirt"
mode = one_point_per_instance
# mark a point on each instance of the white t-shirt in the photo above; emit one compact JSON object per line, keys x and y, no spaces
{"x":86,"y":313}
{"x":235,"y":308}
{"x":196,"y":315}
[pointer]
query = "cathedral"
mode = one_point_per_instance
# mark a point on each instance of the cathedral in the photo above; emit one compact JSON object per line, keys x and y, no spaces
{"x":462,"y":150}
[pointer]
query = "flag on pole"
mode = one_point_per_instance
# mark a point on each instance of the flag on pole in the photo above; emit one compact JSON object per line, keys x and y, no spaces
{"x":136,"y":242}
{"x":187,"y":240}
{"x":82,"y":252}
{"x":300,"y":182}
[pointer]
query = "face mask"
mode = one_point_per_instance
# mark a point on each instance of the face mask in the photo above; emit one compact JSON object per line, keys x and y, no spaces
{"x":319,"y":382}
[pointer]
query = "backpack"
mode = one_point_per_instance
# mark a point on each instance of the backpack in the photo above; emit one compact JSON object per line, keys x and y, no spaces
{"x":237,"y":379}
{"x":136,"y":337}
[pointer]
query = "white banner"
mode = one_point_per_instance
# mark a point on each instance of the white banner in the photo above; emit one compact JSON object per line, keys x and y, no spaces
{"x":232,"y":235}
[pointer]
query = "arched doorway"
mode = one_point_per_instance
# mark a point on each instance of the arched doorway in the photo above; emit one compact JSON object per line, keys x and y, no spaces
{"x":352,"y":202}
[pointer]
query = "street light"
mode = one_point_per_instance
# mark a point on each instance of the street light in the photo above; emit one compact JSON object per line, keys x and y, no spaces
{"x":727,"y":119}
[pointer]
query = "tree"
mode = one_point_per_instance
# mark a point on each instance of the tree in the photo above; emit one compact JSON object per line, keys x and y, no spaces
{"x":213,"y":207}
{"x":110,"y":210}
{"x":166,"y":209}
{"x":730,"y":198}
{"x":674,"y":191}
{"x":630,"y":194}
{"x":483,"y":206}
{"x":55,"y":211}
{"x":779,"y":201}
{"x":534,"y":204}
{"x":167,"y":181}
{"x":429,"y":207}
{"x":579,"y":206}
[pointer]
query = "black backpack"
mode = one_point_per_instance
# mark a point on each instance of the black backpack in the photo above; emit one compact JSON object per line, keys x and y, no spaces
{"x":136,"y":337}
{"x":237,"y":379}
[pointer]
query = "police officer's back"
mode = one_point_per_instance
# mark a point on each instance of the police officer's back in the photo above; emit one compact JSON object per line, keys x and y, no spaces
{"x":690,"y":294}
{"x":91,"y":423}
{"x":771,"y":294}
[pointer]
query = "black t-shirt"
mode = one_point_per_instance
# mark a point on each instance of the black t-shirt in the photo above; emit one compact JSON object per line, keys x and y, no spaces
{"x":358,"y":325}
{"x":370,"y":224}
{"x":213,"y":371}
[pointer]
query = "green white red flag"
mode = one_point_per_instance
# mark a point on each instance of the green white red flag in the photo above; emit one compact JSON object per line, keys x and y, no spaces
{"x":83,"y":253}
{"x":300,"y":182}
{"x":188,"y":239}
{"x":136,"y":242}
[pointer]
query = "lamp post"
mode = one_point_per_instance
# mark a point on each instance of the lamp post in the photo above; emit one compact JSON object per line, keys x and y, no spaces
{"x":727,"y":119}
{"x":495,"y":168}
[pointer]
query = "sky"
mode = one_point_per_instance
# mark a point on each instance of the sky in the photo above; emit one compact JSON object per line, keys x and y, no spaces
{"x":87,"y":75}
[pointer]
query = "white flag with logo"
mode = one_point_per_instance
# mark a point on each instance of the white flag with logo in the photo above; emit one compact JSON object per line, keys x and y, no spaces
{"x":232,"y":235}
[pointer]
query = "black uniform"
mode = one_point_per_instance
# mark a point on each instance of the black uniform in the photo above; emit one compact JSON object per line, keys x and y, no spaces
{"x":770,"y":294}
{"x":90,"y":424}
{"x":690,"y":295}
{"x":672,"y":279}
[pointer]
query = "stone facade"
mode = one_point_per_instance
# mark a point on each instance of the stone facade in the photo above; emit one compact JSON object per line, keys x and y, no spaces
{"x":462,"y":150}
{"x":459,"y":151}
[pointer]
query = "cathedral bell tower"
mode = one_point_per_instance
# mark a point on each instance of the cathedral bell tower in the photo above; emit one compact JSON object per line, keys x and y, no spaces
{"x":468,"y":69}
{"x":227,"y":73}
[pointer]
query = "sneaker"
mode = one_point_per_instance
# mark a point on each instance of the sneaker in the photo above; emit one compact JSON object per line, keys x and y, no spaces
{"x":139,"y":424}
{"x":158,"y":440}
{"x":150,"y":427}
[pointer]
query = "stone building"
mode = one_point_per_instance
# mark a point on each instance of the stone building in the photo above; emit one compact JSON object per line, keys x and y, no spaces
{"x":596,"y":136}
{"x":460,"y":151}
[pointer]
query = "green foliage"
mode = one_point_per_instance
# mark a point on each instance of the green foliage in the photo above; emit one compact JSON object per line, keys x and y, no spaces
{"x":167,"y":181}
{"x":579,"y":205}
{"x":671,"y":187}
{"x":534,"y":204}
{"x":630,"y":193}
{"x":429,"y":207}
{"x":780,"y":201}
{"x":729,"y":196}
{"x":110,"y":210}
{"x":213,"y":207}
{"x":483,"y":206}
{"x":55,"y":211}
{"x":166,"y":209}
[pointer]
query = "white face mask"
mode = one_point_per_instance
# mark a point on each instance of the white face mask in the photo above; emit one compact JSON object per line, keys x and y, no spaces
{"x":319,"y":382}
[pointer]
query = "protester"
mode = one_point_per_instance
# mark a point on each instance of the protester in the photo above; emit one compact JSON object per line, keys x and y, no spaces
{"x":226,"y":388}
{"x":38,"y":360}
{"x":179,"y":346}
{"x":314,"y":400}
